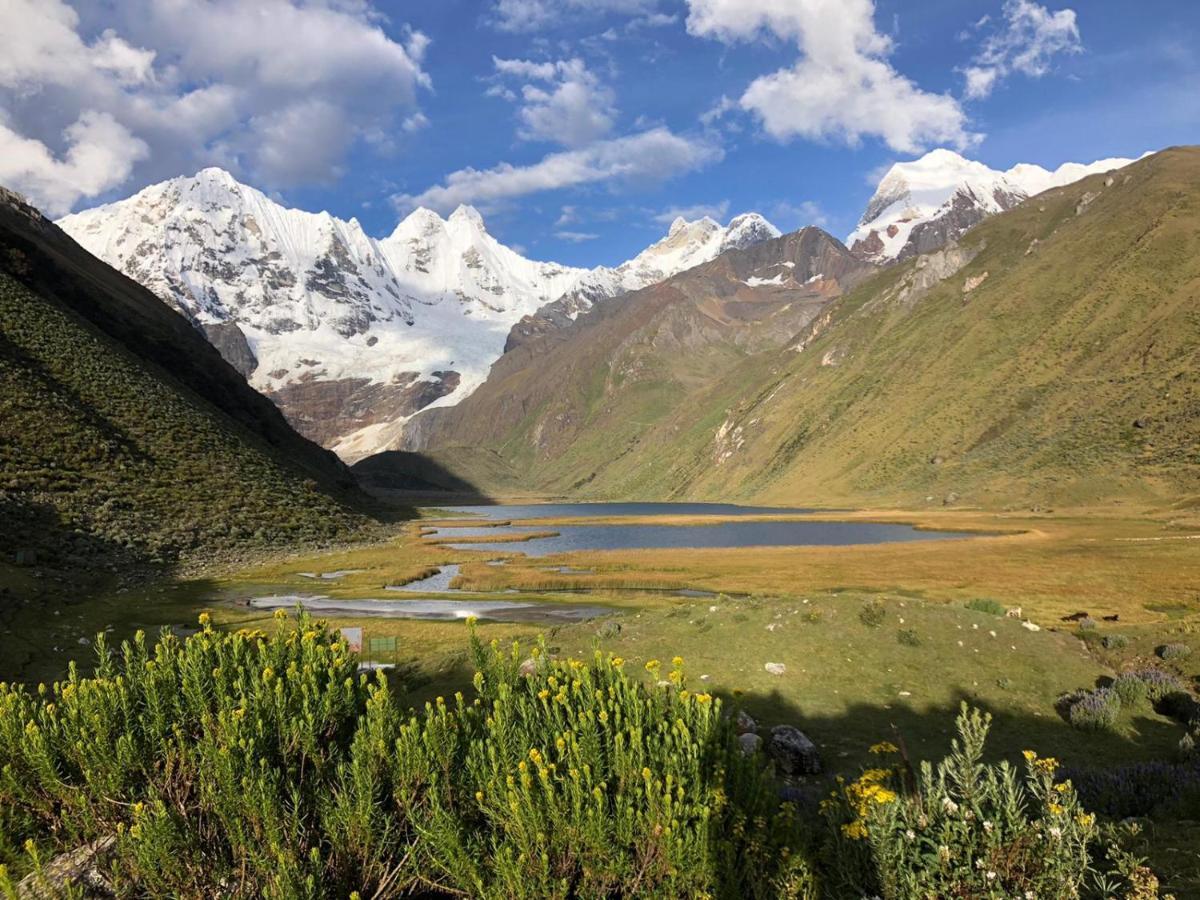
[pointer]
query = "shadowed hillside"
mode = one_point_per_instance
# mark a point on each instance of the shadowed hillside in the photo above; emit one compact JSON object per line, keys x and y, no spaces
{"x":126,"y":442}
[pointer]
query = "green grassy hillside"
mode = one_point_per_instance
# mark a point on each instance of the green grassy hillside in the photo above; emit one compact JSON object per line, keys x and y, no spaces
{"x":126,"y":443}
{"x":1058,"y":365}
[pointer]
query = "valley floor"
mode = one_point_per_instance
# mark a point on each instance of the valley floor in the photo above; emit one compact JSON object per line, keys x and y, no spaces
{"x":875,"y":642}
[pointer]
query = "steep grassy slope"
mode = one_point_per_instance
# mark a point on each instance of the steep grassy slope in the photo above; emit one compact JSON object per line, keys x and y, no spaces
{"x":125,"y":441}
{"x":564,"y":408}
{"x":1050,"y":358}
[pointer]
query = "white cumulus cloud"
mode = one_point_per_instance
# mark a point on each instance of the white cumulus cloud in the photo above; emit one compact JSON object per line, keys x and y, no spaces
{"x":100,"y":154}
{"x":562,"y":102}
{"x":174,"y":85}
{"x":1027,"y":41}
{"x":843,"y":87}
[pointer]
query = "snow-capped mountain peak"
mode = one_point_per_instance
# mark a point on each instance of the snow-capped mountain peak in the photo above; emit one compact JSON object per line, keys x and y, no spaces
{"x":348,"y":334}
{"x":468,"y":215}
{"x":747,"y":229}
{"x":921,"y":204}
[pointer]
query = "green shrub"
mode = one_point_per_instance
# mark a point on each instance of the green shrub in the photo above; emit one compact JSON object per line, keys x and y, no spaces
{"x":962,"y":828}
{"x":983,"y":605}
{"x":1131,"y":689}
{"x":253,"y":765}
{"x":1094,"y":710}
{"x":1159,"y":682}
{"x":1170,"y":652}
{"x":908,"y":637}
{"x":872,"y":613}
{"x":1114,"y":642}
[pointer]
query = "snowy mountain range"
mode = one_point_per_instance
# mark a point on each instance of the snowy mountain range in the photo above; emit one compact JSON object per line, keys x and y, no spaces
{"x":348,"y":334}
{"x":921,"y":205}
{"x":351,"y":335}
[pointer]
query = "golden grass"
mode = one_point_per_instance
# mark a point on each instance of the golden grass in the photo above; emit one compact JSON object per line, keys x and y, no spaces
{"x":1048,"y":565}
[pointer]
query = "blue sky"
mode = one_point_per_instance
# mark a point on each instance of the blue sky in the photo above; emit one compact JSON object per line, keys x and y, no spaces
{"x":579,"y":127}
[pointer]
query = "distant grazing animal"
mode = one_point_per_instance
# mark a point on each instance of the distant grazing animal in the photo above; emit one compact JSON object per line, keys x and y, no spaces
{"x":1115,"y":617}
{"x":1076,"y":617}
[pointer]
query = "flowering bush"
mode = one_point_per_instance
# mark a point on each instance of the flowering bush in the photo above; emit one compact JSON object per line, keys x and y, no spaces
{"x":1158,"y":682}
{"x":1095,"y":710}
{"x":1174,"y":651}
{"x":248,"y":765}
{"x":964,"y":828}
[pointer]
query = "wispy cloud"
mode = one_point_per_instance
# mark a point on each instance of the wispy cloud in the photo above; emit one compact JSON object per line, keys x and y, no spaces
{"x":1026,"y":41}
{"x":648,"y":157}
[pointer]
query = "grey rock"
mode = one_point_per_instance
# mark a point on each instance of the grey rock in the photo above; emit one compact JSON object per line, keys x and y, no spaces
{"x":775,"y":668}
{"x":743,"y":723}
{"x":793,"y":752}
{"x":749,"y":743}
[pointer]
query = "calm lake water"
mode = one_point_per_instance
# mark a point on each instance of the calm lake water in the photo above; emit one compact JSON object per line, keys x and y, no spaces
{"x":586,"y":510}
{"x":635,"y":536}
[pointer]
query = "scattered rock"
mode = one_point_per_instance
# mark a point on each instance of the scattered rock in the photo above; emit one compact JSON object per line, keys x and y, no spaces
{"x":775,"y":668}
{"x":528,"y":667}
{"x":936,"y":461}
{"x":1140,"y":423}
{"x":950,"y":499}
{"x":743,"y":723}
{"x":973,"y":282}
{"x":77,"y":873}
{"x":793,"y":752}
{"x":1030,"y":626}
{"x":1013,"y":612}
{"x":749,"y":743}
{"x":1084,"y":202}
{"x":773,"y":626}
{"x":608,"y":630}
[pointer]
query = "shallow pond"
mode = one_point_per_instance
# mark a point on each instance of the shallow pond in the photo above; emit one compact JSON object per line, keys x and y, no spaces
{"x":496,"y":610}
{"x":634,"y":536}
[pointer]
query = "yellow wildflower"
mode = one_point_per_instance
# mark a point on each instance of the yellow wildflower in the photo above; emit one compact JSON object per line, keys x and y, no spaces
{"x":617,"y":662}
{"x":205,"y":620}
{"x":652,"y":665}
{"x":884,"y":747}
{"x":677,"y":661}
{"x":1029,"y":755}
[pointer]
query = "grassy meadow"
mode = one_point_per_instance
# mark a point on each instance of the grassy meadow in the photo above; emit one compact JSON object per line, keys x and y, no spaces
{"x":880,"y":642}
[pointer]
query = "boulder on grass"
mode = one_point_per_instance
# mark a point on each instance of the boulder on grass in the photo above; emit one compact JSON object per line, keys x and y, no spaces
{"x":793,"y":752}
